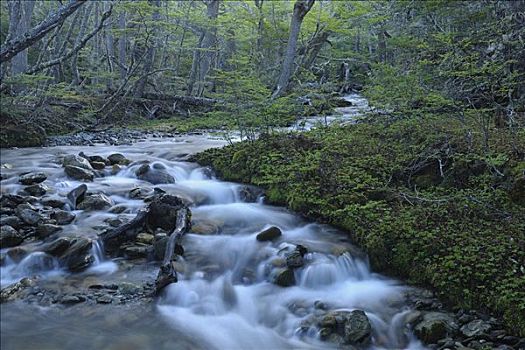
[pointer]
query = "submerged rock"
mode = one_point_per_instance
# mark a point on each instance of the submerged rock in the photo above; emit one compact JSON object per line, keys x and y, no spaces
{"x":32,"y":178}
{"x":9,"y":237}
{"x":154,"y":175}
{"x":284,"y":278}
{"x":269,"y":234}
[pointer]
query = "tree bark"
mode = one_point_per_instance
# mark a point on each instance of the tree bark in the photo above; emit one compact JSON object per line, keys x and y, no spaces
{"x":150,"y":57}
{"x":301,"y":8}
{"x":22,"y":13}
{"x":122,"y":44}
{"x":16,"y":45}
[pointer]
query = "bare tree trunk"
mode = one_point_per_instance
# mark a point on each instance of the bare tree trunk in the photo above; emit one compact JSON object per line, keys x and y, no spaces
{"x":110,"y":53}
{"x":81,"y":32}
{"x":122,"y":45}
{"x":208,"y":43}
{"x":194,"y":66}
{"x":150,"y":57}
{"x":301,"y":8}
{"x":22,"y":11}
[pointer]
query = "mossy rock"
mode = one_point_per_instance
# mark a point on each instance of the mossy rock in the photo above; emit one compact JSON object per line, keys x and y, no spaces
{"x":22,"y":136}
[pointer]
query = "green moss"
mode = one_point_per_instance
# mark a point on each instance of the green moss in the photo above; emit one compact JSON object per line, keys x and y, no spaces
{"x":457,"y":232}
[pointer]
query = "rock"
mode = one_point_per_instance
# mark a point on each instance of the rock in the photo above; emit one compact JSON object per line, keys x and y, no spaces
{"x":295,"y":258}
{"x":32,"y":178}
{"x":105,"y":299}
{"x":96,"y":201}
{"x":127,"y":288}
{"x":17,"y":254}
{"x":77,"y":256}
{"x":29,"y":216}
{"x":269,"y":234}
{"x":114,"y":222}
{"x":206,"y":227}
{"x":117,"y":158}
{"x":284,"y":278}
{"x":97,"y":159}
{"x":145,"y":238}
{"x":71,"y":299}
{"x":58,"y":246}
{"x":163,"y":213}
{"x":250,"y":193}
{"x":475,"y":328}
{"x":79,"y":173}
{"x":140,"y":193}
{"x":115,"y":169}
{"x":76,"y":161}
{"x":53,"y":203}
{"x":11,"y":200}
{"x":434,"y":326}
{"x":15,"y":291}
{"x":46,"y":230}
{"x":136,"y":251}
{"x":77,"y":195}
{"x":98,"y":165}
{"x":37,"y":190}
{"x":357,"y":328}
{"x":11,"y":220}
{"x":154,"y":175}
{"x":62,"y":217}
{"x":9,"y":237}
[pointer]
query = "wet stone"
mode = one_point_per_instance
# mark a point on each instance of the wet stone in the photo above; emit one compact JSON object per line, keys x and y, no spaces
{"x":9,"y":237}
{"x":32,"y":178}
{"x":46,"y":230}
{"x":53,"y":203}
{"x":62,"y":217}
{"x":269,"y":234}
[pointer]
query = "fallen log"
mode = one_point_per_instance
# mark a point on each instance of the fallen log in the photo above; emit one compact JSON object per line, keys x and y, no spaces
{"x":186,"y":100}
{"x":113,"y":239}
{"x":167,"y":273}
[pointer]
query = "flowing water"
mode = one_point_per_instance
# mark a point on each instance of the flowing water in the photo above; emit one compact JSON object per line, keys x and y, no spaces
{"x":224,"y":298}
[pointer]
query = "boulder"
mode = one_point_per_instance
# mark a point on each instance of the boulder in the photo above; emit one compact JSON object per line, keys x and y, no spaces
{"x":37,"y":190}
{"x":97,"y":159}
{"x":140,"y":193}
{"x":46,"y":230}
{"x":76,"y":161}
{"x":9,"y":237}
{"x":79,"y":173}
{"x":475,"y":328}
{"x":17,"y":290}
{"x":98,"y":165}
{"x":58,"y":246}
{"x":29,"y":216}
{"x":11,"y":200}
{"x":163,"y":213}
{"x":77,"y":195}
{"x":11,"y":220}
{"x":269,"y":234}
{"x":32,"y":178}
{"x":62,"y":217}
{"x":434,"y":326}
{"x":250,"y":193}
{"x":117,"y":158}
{"x":154,"y":175}
{"x":17,"y":254}
{"x":96,"y":201}
{"x":53,"y":202}
{"x":295,"y":258}
{"x":357,"y":328}
{"x":77,"y":256}
{"x":284,"y":278}
{"x":136,"y":251}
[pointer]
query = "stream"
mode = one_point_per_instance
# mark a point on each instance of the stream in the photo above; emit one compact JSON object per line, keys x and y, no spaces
{"x":225,"y":297}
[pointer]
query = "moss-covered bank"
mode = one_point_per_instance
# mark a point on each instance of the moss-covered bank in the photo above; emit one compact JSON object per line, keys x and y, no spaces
{"x":427,"y":202}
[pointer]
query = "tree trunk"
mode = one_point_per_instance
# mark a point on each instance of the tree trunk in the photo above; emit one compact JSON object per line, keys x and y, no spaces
{"x":74,"y":67}
{"x":21,"y":15}
{"x":301,"y":8}
{"x":208,"y":43}
{"x":150,"y":56}
{"x":122,"y":43}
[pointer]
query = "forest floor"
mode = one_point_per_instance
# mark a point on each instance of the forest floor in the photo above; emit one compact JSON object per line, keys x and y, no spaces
{"x":426,"y":203}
